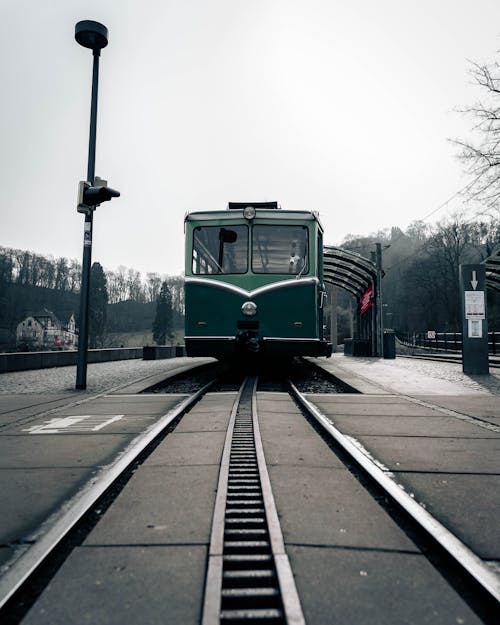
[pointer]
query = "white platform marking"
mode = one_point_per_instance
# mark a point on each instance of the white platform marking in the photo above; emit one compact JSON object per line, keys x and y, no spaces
{"x":82,"y":423}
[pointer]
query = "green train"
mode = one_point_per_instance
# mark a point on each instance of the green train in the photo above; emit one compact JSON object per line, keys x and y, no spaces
{"x":254,"y":282}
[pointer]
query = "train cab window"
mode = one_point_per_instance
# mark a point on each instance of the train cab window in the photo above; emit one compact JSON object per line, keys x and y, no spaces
{"x":220,"y":250}
{"x":280,"y":249}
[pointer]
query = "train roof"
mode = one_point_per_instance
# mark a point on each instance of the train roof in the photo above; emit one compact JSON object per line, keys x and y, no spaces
{"x":267,"y":213}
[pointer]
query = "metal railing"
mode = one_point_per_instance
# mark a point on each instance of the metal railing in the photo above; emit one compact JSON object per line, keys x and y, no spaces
{"x":444,"y":341}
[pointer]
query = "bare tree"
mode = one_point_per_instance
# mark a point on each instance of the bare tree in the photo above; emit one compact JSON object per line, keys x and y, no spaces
{"x":75,"y":271}
{"x":153,"y":286}
{"x":134,"y":286}
{"x":61,"y":281}
{"x":482,"y":156}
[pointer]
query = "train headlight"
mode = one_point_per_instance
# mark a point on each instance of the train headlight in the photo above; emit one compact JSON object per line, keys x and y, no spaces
{"x":249,"y":212}
{"x":249,"y":309}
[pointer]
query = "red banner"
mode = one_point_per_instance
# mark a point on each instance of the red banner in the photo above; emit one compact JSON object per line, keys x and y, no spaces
{"x":367,"y":299}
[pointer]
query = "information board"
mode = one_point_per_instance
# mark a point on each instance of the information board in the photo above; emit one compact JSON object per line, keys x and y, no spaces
{"x":474,"y":305}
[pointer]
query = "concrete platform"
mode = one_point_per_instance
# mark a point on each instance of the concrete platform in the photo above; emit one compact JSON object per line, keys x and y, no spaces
{"x":438,"y":438}
{"x":145,"y":561}
{"x":468,"y":503}
{"x":118,"y":585}
{"x":16,"y":407}
{"x":374,"y":376}
{"x":350,"y":586}
{"x":403,"y":425}
{"x":485,"y":407}
{"x":352,"y":562}
{"x":30,"y":496}
{"x":53,"y":443}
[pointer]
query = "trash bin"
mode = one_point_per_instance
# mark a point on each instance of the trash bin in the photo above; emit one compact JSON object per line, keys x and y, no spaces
{"x":389,"y":344}
{"x":361,"y":347}
{"x":357,"y":347}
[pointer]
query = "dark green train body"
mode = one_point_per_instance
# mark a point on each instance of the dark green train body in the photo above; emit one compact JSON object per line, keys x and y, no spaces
{"x":254,"y":282}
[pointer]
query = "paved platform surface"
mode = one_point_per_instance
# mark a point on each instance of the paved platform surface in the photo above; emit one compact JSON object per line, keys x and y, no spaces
{"x":145,"y":561}
{"x":435,"y":430}
{"x":352,"y":562}
{"x":372,"y":375}
{"x":432,"y":427}
{"x":53,"y":439}
{"x":101,"y":377}
{"x":409,"y":376}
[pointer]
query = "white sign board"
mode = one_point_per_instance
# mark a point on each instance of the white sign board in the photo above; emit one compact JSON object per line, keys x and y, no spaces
{"x":474,"y":305}
{"x":475,"y":328}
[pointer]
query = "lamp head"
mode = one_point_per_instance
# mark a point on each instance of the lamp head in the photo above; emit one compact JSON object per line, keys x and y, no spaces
{"x":91,"y":34}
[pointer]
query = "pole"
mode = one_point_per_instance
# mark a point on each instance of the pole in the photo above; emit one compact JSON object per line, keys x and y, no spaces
{"x":373,"y":325}
{"x":373,"y":310}
{"x":333,"y":317}
{"x":83,"y":337}
{"x":380,"y":321}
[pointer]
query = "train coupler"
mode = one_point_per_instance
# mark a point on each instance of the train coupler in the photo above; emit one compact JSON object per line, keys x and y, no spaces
{"x":248,"y":341}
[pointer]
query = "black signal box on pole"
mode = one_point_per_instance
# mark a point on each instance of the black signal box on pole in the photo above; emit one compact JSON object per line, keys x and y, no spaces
{"x":89,"y":197}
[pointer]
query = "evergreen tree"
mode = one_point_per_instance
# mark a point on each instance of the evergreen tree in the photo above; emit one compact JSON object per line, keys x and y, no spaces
{"x":162,"y":324}
{"x":98,"y":304}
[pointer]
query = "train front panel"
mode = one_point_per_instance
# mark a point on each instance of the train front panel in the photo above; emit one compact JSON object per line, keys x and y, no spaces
{"x":251,"y":286}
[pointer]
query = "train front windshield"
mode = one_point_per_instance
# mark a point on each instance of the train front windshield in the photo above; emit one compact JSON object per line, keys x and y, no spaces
{"x":280,"y":249}
{"x":220,"y":250}
{"x":276,"y":249}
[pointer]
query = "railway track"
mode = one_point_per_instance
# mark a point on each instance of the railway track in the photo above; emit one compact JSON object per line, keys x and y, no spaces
{"x":249,"y":576}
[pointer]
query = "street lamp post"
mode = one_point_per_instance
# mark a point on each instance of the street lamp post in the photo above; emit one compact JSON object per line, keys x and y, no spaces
{"x":91,"y":35}
{"x":380,"y":321}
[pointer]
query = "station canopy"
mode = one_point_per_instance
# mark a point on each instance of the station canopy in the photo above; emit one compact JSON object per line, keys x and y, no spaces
{"x":348,"y":270}
{"x":492,"y":265}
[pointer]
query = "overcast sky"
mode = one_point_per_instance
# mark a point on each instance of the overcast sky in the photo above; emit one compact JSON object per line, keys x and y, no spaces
{"x":340,"y":106}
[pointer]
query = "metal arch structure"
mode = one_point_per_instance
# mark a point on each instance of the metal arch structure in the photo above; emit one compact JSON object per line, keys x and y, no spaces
{"x":492,"y":266}
{"x":355,"y":274}
{"x":348,"y":270}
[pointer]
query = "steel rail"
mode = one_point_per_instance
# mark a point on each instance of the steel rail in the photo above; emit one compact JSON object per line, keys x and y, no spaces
{"x":83,"y":501}
{"x":465,"y":558}
{"x":212,"y":601}
{"x":290,"y":597}
{"x":213,"y":611}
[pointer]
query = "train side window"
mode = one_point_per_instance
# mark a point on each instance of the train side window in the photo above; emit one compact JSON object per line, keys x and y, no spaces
{"x":220,"y":250}
{"x":280,"y":249}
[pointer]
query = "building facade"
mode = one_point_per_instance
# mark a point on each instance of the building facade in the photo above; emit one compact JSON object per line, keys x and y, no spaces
{"x":44,"y":331}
